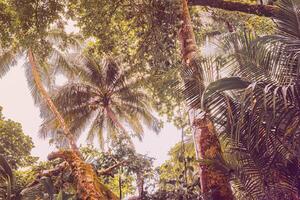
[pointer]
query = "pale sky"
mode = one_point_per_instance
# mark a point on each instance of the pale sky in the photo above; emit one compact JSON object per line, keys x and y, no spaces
{"x":18,"y":105}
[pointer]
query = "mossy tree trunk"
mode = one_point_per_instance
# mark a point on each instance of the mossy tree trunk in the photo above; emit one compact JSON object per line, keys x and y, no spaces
{"x":88,"y":185}
{"x":214,"y":183}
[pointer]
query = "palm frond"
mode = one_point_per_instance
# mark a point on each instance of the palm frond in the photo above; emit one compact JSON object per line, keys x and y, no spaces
{"x":102,"y":86}
{"x":32,"y":84}
{"x":288,"y":20}
{"x":6,"y":179}
{"x":285,"y":44}
{"x":8,"y":58}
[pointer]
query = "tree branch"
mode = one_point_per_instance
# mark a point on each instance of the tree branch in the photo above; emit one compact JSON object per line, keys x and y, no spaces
{"x":48,"y":173}
{"x":105,"y":171}
{"x":260,"y":10}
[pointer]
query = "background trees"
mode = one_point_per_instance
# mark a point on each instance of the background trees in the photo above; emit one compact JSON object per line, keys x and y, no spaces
{"x":15,"y":146}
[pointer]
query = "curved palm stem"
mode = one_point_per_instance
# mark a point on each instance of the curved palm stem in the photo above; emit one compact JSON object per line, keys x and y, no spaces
{"x":113,"y":117}
{"x":49,"y":102}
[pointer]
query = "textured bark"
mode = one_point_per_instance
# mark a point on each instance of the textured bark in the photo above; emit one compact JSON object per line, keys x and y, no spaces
{"x":86,"y":180}
{"x":187,"y":37}
{"x":49,"y":101}
{"x":211,"y":180}
{"x":260,"y":10}
{"x":214,"y":184}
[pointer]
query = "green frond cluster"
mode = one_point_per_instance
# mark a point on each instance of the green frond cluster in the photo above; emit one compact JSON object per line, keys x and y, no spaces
{"x":6,"y":179}
{"x":104,"y":98}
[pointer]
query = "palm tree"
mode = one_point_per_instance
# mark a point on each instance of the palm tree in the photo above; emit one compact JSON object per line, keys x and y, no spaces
{"x":105,"y":94}
{"x":38,"y":66}
{"x":38,"y":70}
{"x":254,"y":106}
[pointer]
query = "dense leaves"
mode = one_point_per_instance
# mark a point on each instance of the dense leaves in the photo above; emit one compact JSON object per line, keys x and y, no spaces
{"x":15,"y":146}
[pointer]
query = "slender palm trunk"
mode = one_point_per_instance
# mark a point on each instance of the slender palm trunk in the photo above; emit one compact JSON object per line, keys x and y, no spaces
{"x":120,"y":186}
{"x":213,"y":182}
{"x":140,"y":184}
{"x":49,"y":101}
{"x":88,"y":185}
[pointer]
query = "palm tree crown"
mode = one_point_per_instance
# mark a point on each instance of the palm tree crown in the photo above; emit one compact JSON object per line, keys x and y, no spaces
{"x":102,"y":94}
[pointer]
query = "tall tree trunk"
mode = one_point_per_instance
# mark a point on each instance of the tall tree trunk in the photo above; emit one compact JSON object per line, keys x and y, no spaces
{"x":88,"y":185}
{"x":214,"y":183}
{"x":212,"y":180}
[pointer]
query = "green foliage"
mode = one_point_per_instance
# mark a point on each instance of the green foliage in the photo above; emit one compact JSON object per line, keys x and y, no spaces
{"x":45,"y":180}
{"x":130,"y":27}
{"x":257,"y":125}
{"x":144,"y":34}
{"x":135,"y":164}
{"x":25,"y":21}
{"x":52,"y":179}
{"x":179,"y":174}
{"x":6,"y":179}
{"x":224,"y":84}
{"x":15,"y":146}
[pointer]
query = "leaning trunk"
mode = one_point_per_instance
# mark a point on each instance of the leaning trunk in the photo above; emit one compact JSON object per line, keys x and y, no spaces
{"x":213,"y":182}
{"x":87,"y":182}
{"x":49,"y":101}
{"x":88,"y":185}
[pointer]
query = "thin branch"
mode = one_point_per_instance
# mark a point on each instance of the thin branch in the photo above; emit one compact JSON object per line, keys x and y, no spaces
{"x":49,"y":173}
{"x":106,"y":171}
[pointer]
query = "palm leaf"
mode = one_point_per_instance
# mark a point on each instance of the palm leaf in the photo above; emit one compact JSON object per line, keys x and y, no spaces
{"x":102,"y":89}
{"x":6,"y":174}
